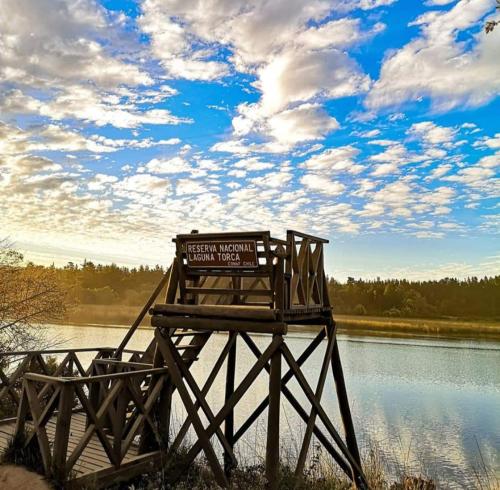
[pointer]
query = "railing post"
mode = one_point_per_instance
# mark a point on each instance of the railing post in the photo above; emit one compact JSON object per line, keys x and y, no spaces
{"x":63,"y":425}
{"x":273,"y":422}
{"x":22,"y":412}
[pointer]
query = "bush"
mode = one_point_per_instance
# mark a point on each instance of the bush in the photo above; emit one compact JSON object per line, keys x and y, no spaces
{"x":359,"y":310}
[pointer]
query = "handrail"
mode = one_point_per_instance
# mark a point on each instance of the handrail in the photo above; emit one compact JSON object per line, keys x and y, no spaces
{"x":92,"y":379}
{"x":55,"y":351}
{"x":305,"y":235}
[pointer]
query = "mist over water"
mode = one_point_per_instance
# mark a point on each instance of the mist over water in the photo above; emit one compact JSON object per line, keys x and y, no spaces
{"x":430,"y":406}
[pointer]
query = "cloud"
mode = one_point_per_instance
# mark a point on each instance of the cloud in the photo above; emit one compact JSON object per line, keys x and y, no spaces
{"x":40,"y":49}
{"x":53,"y":137}
{"x":172,"y":165}
{"x":79,"y":62}
{"x":440,"y":65}
{"x":439,"y":171}
{"x":432,"y":134}
{"x":340,"y":159}
{"x":318,"y":183}
{"x":295,"y":52}
{"x":188,"y":186}
{"x":481,"y":176}
{"x":146,"y":184}
{"x":489,"y":142}
{"x":253,"y":164}
{"x":306,"y":122}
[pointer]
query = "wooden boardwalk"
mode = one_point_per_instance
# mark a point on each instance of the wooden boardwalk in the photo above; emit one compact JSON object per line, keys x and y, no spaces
{"x":93,"y":458}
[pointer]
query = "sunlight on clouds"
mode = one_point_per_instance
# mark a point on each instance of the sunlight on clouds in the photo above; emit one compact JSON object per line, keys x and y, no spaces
{"x":108,"y":127}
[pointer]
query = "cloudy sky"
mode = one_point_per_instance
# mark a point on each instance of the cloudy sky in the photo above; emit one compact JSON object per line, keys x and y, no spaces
{"x":374,"y":123}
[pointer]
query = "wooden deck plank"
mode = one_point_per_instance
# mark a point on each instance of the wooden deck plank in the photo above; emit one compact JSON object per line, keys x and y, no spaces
{"x":92,"y":461}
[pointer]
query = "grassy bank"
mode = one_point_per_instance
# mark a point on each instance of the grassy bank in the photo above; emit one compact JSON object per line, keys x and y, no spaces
{"x":353,"y":325}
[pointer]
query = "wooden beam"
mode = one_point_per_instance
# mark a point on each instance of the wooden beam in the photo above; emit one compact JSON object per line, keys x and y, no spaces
{"x":206,"y":387}
{"x":273,"y":422}
{"x":142,"y":314}
{"x":229,"y":291}
{"x":223,"y":325}
{"x":203,"y":436}
{"x":239,"y":312}
{"x":312,"y":417}
{"x":345,"y":411}
{"x":233,"y":400}
{"x":319,"y":409}
{"x":61,"y":438}
{"x":229,"y":422}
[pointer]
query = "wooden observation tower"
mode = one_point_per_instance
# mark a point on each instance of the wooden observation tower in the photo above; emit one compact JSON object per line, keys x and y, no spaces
{"x":113,"y":420}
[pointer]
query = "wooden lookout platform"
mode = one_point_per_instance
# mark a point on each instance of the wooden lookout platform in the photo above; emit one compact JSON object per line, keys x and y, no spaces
{"x":111,"y":420}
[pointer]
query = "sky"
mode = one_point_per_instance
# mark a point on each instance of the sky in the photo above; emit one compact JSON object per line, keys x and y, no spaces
{"x":373,"y":123}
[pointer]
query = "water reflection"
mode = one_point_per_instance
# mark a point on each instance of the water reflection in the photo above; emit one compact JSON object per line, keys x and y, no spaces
{"x":427,"y":405}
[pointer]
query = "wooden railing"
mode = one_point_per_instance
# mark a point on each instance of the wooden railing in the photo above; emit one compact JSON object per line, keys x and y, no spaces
{"x":289,"y":277}
{"x":15,"y":364}
{"x":304,"y":272}
{"x":128,"y":402}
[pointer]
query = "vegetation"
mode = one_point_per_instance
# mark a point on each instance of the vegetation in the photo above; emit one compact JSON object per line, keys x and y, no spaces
{"x":30,"y":296}
{"x":447,"y":298}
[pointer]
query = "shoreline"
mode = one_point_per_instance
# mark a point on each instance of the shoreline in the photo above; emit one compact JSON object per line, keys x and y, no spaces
{"x":123,"y":316}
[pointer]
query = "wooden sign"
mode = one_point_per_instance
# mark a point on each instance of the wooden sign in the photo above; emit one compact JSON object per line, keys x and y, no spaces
{"x":222,"y":254}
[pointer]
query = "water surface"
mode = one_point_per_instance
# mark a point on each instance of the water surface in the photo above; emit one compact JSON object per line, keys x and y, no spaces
{"x":430,"y":406}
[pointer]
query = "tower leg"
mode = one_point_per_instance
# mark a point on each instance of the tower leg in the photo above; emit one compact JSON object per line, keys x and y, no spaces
{"x":273,"y":422}
{"x":345,"y":411}
{"x":229,"y":422}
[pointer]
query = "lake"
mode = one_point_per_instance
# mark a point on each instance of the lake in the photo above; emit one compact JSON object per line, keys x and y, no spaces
{"x":429,"y":406}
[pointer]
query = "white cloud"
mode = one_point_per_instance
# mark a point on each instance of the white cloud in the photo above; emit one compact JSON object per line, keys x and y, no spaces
{"x":319,"y":183}
{"x":172,"y":165}
{"x":253,"y":164}
{"x":438,"y":3}
{"x":372,"y":133}
{"x":438,"y":65}
{"x":340,"y":159}
{"x":146,"y":184}
{"x":439,"y":171}
{"x":489,"y":142}
{"x":303,"y":123}
{"x":481,"y":176}
{"x":74,"y":60}
{"x":294,"y":50}
{"x":432,"y":134}
{"x":99,"y":181}
{"x":189,"y":186}
{"x":301,"y":75}
{"x":46,"y":41}
{"x":274,"y":180}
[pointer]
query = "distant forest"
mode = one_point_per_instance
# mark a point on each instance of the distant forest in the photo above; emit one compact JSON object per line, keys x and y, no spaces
{"x":447,"y":298}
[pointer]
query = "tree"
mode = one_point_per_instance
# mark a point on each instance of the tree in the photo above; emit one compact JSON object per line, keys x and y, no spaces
{"x":30,"y":296}
{"x":491,"y":24}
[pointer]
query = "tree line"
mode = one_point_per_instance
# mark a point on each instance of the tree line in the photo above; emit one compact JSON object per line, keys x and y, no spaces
{"x":90,"y":283}
{"x":469,"y":298}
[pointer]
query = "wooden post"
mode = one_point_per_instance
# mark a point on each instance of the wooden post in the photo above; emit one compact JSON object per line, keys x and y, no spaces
{"x":312,"y":417}
{"x":273,"y":421}
{"x":345,"y":411}
{"x":161,"y":412}
{"x":63,"y":425}
{"x":22,"y":412}
{"x":229,"y":422}
{"x":142,"y":314}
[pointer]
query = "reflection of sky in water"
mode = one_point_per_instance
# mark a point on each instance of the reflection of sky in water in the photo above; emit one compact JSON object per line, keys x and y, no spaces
{"x":425,"y":404}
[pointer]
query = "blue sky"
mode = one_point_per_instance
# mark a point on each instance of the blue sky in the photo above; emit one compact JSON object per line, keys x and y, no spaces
{"x":374,"y":123}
